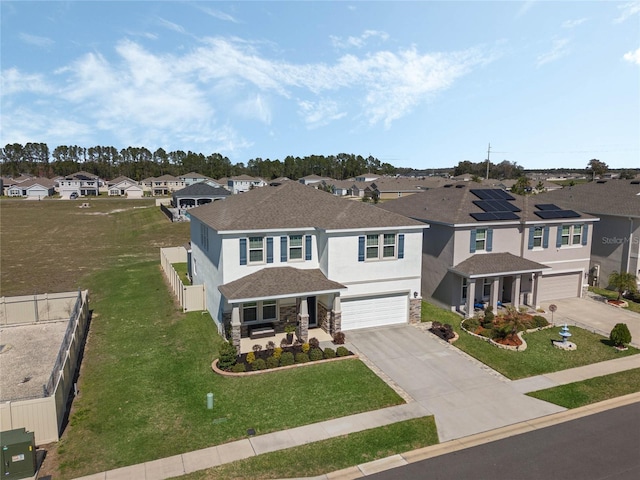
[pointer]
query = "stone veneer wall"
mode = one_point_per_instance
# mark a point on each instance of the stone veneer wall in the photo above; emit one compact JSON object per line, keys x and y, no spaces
{"x":415,"y":310}
{"x":324,"y":318}
{"x":287,"y":313}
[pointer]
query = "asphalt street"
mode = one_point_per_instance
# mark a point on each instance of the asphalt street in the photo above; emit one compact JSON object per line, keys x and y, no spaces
{"x":596,"y":447}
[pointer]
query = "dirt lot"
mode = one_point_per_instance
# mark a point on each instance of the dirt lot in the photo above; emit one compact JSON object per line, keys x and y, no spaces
{"x":52,"y":245}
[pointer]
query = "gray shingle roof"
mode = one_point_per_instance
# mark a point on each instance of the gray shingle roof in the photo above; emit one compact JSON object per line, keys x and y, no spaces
{"x":202,"y":189}
{"x":452,"y":206}
{"x":279,"y":282}
{"x":496,"y":264}
{"x":293,"y":205}
{"x":614,"y":197}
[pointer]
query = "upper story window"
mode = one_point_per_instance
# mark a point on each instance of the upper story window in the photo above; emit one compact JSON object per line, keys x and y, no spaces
{"x":256,"y":249}
{"x":566,"y":234}
{"x":572,"y":235}
{"x":385,"y":246}
{"x":537,"y":236}
{"x":204,"y":236}
{"x":295,"y":247}
{"x":481,"y":240}
{"x":576,"y":235}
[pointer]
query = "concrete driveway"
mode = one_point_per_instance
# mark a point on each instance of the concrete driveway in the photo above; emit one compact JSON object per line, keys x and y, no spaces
{"x":595,"y":315}
{"x":465,"y":396}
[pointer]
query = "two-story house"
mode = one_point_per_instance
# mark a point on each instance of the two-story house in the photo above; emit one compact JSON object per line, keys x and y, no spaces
{"x":293,"y":254}
{"x":81,"y":183}
{"x":488,"y":247}
{"x":244,"y":183}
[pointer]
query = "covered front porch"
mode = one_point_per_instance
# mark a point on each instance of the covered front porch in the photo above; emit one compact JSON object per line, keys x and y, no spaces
{"x":496,"y":280}
{"x":267,"y":304}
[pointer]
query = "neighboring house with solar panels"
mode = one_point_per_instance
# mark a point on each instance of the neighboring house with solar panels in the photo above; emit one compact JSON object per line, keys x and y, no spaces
{"x":616,"y":237}
{"x":488,"y":247}
{"x":81,"y":183}
{"x":290,"y":253}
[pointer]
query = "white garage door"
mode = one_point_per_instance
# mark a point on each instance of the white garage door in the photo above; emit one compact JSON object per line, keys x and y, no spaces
{"x":375,"y":311}
{"x":564,"y":285}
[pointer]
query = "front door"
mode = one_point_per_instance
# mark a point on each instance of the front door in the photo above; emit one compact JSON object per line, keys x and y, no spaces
{"x":311,"y":306}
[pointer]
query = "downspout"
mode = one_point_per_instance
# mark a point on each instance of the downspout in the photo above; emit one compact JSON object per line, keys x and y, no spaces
{"x":627,"y":269}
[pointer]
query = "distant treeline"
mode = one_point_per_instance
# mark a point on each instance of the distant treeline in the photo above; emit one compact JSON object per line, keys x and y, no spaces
{"x":138,"y":163}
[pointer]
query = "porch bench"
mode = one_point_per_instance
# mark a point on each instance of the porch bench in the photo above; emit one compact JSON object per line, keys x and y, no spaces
{"x":263,"y":331}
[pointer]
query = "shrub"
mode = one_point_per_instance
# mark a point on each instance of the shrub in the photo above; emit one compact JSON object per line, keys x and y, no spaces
{"x":315,"y":354}
{"x":270,"y":346}
{"x":273,"y":362}
{"x":523,"y":309}
{"x":305,"y":347}
{"x":329,"y":352}
{"x":342,"y":351}
{"x":277,"y":352}
{"x":539,"y":321}
{"x":256,"y":348}
{"x":239,"y":368}
{"x":471,"y":324}
{"x":227,"y":356}
{"x":259,"y":364}
{"x":302,"y":357}
{"x":314,"y":342}
{"x":338,"y":338}
{"x":286,"y":359}
{"x":620,"y":335}
{"x":284,"y":343}
{"x":251,"y":357}
{"x":488,"y":315}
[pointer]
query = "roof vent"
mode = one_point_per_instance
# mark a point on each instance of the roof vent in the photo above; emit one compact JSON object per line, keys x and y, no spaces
{"x":448,"y":185}
{"x":601,"y":181}
{"x":635,"y":182}
{"x":460,"y":185}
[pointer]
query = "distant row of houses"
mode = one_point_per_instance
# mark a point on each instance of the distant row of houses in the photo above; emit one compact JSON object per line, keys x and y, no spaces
{"x":84,"y":184}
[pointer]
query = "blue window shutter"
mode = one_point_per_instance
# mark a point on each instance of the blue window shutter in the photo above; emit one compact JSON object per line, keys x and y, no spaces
{"x":585,"y":234}
{"x":545,"y":237}
{"x":269,"y":249}
{"x":307,"y":247}
{"x":489,"y":239}
{"x":243,"y":251}
{"x":283,"y":249}
{"x":472,"y":247}
{"x":559,"y":237}
{"x":532,"y":231}
{"x":361,"y":249}
{"x":401,"y":245}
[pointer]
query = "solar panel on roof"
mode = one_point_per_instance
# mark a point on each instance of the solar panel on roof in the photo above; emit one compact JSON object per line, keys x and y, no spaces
{"x":483,"y":216}
{"x":486,"y":205}
{"x":548,"y":214}
{"x":568,"y":214}
{"x":481,"y":193}
{"x":506,"y":216}
{"x":547,"y":206}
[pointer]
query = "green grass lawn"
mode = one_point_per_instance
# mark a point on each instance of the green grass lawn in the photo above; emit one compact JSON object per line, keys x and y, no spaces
{"x":147,"y":371}
{"x":182,"y":270}
{"x":574,"y":395}
{"x":540,"y":356}
{"x":633,"y":306}
{"x":326,"y":456}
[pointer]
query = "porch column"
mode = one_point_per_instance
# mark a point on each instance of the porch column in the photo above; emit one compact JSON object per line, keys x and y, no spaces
{"x":471,"y":297}
{"x":235,"y":327}
{"x":495,"y":289}
{"x":303,"y":321}
{"x":336,"y":315}
{"x":534,"y":296}
{"x":515,"y":291}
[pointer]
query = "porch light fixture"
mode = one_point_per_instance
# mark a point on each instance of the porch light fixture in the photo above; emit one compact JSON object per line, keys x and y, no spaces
{"x":415,"y":294}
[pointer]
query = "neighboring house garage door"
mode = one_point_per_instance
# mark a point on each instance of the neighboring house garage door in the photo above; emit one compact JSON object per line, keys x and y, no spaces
{"x":564,"y":285}
{"x":375,"y":311}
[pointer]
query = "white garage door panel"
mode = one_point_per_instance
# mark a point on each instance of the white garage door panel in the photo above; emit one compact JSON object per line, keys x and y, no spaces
{"x":565,"y":285}
{"x":374,"y":311}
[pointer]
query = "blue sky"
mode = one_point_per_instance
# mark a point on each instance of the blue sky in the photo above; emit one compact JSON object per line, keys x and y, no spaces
{"x":416,"y":84}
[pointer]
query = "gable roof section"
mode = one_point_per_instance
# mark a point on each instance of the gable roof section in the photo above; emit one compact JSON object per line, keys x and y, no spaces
{"x":454,"y":206}
{"x":486,"y":264}
{"x":279,"y":282}
{"x":613,"y":197}
{"x":293,"y":205}
{"x":202,"y":188}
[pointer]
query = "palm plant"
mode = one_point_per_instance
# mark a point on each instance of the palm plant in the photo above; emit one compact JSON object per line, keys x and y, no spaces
{"x":622,"y":281}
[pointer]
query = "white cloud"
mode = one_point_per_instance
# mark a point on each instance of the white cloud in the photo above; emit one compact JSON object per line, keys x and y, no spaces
{"x":217,"y":14}
{"x":255,"y":107}
{"x":628,"y":10}
{"x":36,"y":40}
{"x":632,"y":56}
{"x":573,"y":23}
{"x":318,"y":114}
{"x":559,"y":49}
{"x":358,"y":42}
{"x":13,"y":81}
{"x":171,"y":26}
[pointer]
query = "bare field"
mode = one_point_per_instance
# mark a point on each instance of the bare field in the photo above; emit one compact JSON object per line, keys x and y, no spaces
{"x":53,"y":245}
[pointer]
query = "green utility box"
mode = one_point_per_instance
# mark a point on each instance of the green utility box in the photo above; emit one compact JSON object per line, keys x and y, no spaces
{"x":18,"y":454}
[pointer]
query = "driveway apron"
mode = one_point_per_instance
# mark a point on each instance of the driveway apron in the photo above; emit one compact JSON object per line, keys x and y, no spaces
{"x":465,"y":396}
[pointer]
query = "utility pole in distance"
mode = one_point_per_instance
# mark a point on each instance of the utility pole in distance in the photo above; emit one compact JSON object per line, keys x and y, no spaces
{"x":488,"y":156}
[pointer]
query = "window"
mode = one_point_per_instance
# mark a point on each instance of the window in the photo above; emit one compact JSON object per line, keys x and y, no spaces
{"x":250,"y":312}
{"x":576,"y":237}
{"x":295,"y":247}
{"x":389,"y":247}
{"x":269,"y":310}
{"x":481,"y":239}
{"x":256,"y":249}
{"x":486,"y":287}
{"x":537,"y":236}
{"x":204,"y":236}
{"x":566,"y":234}
{"x":465,"y":288}
{"x":372,"y":246}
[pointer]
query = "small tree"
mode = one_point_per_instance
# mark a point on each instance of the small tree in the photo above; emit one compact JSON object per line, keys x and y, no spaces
{"x":622,"y":282}
{"x":227,"y":356}
{"x":620,"y":335}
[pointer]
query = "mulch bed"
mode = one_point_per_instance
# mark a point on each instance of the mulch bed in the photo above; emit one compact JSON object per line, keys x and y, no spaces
{"x":264,"y":354}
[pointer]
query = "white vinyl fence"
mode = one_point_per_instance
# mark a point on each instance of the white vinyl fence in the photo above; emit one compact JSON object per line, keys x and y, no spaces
{"x":190,"y":297}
